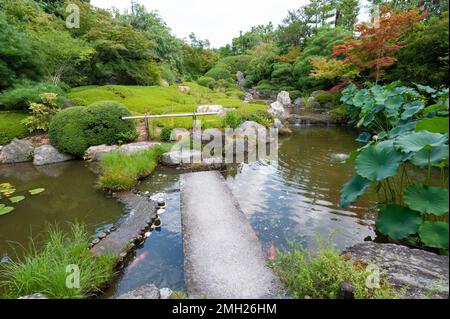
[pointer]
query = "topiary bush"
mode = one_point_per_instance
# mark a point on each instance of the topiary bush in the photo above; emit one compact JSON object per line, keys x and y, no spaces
{"x":75,"y":129}
{"x":165,"y":134}
{"x":206,"y":82}
{"x":219,"y":73}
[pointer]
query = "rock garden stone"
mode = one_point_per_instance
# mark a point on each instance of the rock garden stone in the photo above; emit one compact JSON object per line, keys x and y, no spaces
{"x":185,"y":158}
{"x":95,"y":153}
{"x":47,"y":154}
{"x":299,"y":102}
{"x":184,"y":89}
{"x":211,"y":108}
{"x":423,"y":273}
{"x":284,"y":98}
{"x":144,"y":292}
{"x":165,"y":293}
{"x":16,"y":152}
{"x":277,"y":110}
{"x":240,"y":78}
{"x":136,"y":147}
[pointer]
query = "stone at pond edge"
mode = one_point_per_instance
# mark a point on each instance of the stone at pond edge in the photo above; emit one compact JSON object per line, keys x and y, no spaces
{"x":136,"y":147}
{"x":423,"y":273}
{"x":34,"y":296}
{"x":165,"y":293}
{"x":277,"y":110}
{"x":95,"y":153}
{"x":284,"y":98}
{"x":16,"y":152}
{"x":145,"y":292}
{"x":47,"y":154}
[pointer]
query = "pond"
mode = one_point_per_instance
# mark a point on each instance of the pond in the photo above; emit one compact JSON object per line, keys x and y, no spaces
{"x":292,"y":199}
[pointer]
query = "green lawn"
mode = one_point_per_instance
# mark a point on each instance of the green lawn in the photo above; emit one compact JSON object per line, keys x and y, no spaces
{"x":11,"y":126}
{"x":160,"y":100}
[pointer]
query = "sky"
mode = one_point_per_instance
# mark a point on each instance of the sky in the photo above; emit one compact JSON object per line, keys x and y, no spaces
{"x":216,"y":20}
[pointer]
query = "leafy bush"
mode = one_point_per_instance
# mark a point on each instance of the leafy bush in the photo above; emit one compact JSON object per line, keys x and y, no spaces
{"x":235,"y":63}
{"x":219,"y":73}
{"x":267,"y":87}
{"x":21,"y":95}
{"x":262,"y":117}
{"x":325,"y":98}
{"x":42,"y":113}
{"x":73,"y":130}
{"x":11,"y":126}
{"x":409,"y":131}
{"x":165,"y":134}
{"x":127,"y":137}
{"x":233,"y":119}
{"x":318,"y":276}
{"x":206,"y":82}
{"x":339,"y":115}
{"x":121,"y":171}
{"x":44,"y":271}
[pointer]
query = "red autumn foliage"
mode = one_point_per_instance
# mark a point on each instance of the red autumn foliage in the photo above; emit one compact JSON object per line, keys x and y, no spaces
{"x":372,"y":52}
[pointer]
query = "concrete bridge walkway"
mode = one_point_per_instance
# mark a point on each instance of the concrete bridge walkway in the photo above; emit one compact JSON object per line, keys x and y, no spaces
{"x":223,"y":257}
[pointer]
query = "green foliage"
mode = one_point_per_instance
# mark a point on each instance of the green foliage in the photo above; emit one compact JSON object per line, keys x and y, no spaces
{"x":73,"y":130}
{"x":206,"y":82}
{"x":435,"y":234}
{"x":120,"y":171}
{"x":22,"y":94}
{"x":218,"y":73}
{"x":166,"y":134}
{"x":261,"y":63}
{"x":340,"y":115}
{"x":11,"y":126}
{"x":319,"y":275}
{"x":235,"y":63}
{"x":44,"y":271}
{"x":42,"y":113}
{"x":400,"y":118}
{"x":233,"y":119}
{"x":127,"y":137}
{"x":262,"y":117}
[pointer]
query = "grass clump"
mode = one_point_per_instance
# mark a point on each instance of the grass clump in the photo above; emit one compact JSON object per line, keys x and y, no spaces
{"x":44,"y":271}
{"x":11,"y":126}
{"x":121,"y":171}
{"x":319,"y":276}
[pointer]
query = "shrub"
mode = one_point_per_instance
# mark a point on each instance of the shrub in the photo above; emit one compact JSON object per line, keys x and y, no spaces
{"x":73,"y":130}
{"x":21,"y":95}
{"x":44,"y":271}
{"x":219,"y":73}
{"x":325,"y":98}
{"x":319,"y":276}
{"x":206,"y":82}
{"x":165,"y":134}
{"x":235,"y":63}
{"x":127,"y":137}
{"x":233,"y":119}
{"x":339,"y":115}
{"x":262,"y":117}
{"x":121,"y":171}
{"x":42,"y":113}
{"x":11,"y":126}
{"x":266,"y":87}
{"x":167,"y":74}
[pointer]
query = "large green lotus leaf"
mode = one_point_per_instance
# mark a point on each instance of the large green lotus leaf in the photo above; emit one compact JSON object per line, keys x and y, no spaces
{"x":394,"y":103}
{"x":379,"y":161}
{"x":436,"y":155}
{"x":433,"y":125}
{"x":353,"y":190}
{"x":412,"y":108}
{"x":364,"y":138}
{"x":425,"y":88}
{"x":361,"y":98}
{"x":398,"y":222}
{"x":434,"y":234}
{"x":416,"y":141}
{"x":427,"y":199}
{"x":401,"y":129}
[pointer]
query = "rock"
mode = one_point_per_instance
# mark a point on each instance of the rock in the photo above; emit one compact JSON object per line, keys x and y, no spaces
{"x":422,"y":273}
{"x":277,"y":110}
{"x":178,"y":133}
{"x":346,"y":290}
{"x":164,"y":84}
{"x":252,"y":127}
{"x":67,"y":104}
{"x":185,"y":159}
{"x":248,"y":97}
{"x":183,"y":88}
{"x":165,"y":293}
{"x":34,"y":296}
{"x":299,"y":102}
{"x":95,"y":153}
{"x":47,"y":154}
{"x":211,"y":108}
{"x":316,"y":119}
{"x":277,"y":124}
{"x":1,"y":146}
{"x":240,"y":78}
{"x":16,"y":152}
{"x":178,"y":80}
{"x":136,"y":147}
{"x":145,"y":292}
{"x":283,"y":98}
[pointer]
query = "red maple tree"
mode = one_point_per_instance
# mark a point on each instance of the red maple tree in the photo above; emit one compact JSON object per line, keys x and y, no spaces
{"x":373,"y":51}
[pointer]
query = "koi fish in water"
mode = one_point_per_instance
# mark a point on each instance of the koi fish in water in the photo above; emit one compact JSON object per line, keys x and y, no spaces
{"x":272,"y":252}
{"x":138,"y":260}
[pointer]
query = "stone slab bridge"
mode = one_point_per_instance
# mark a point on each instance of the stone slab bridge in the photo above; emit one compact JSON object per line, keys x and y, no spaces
{"x":223,"y":257}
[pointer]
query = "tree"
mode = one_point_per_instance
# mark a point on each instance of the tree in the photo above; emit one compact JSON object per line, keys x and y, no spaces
{"x":295,"y":28}
{"x":249,"y":40}
{"x":373,"y":51}
{"x":261,"y":64}
{"x":347,"y":12}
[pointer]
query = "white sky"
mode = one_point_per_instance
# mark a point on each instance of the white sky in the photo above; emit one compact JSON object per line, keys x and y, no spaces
{"x":216,"y":20}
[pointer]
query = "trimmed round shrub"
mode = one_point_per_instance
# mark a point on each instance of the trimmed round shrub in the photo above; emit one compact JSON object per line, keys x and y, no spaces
{"x":75,"y":129}
{"x":219,"y":73}
{"x":206,"y":82}
{"x":165,"y":134}
{"x":233,"y":119}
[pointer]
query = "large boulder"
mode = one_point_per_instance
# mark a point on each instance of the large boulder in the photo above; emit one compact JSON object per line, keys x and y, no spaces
{"x":284,"y":98}
{"x":95,"y":153}
{"x":145,"y":292}
{"x":16,"y":152}
{"x":299,"y":102}
{"x":136,"y":147}
{"x":240,"y":78}
{"x":47,"y":154}
{"x":277,"y":109}
{"x":185,"y":159}
{"x":421,"y":273}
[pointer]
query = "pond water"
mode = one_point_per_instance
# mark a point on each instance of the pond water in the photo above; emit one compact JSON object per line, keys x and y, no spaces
{"x":70,"y":196}
{"x":292,"y":199}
